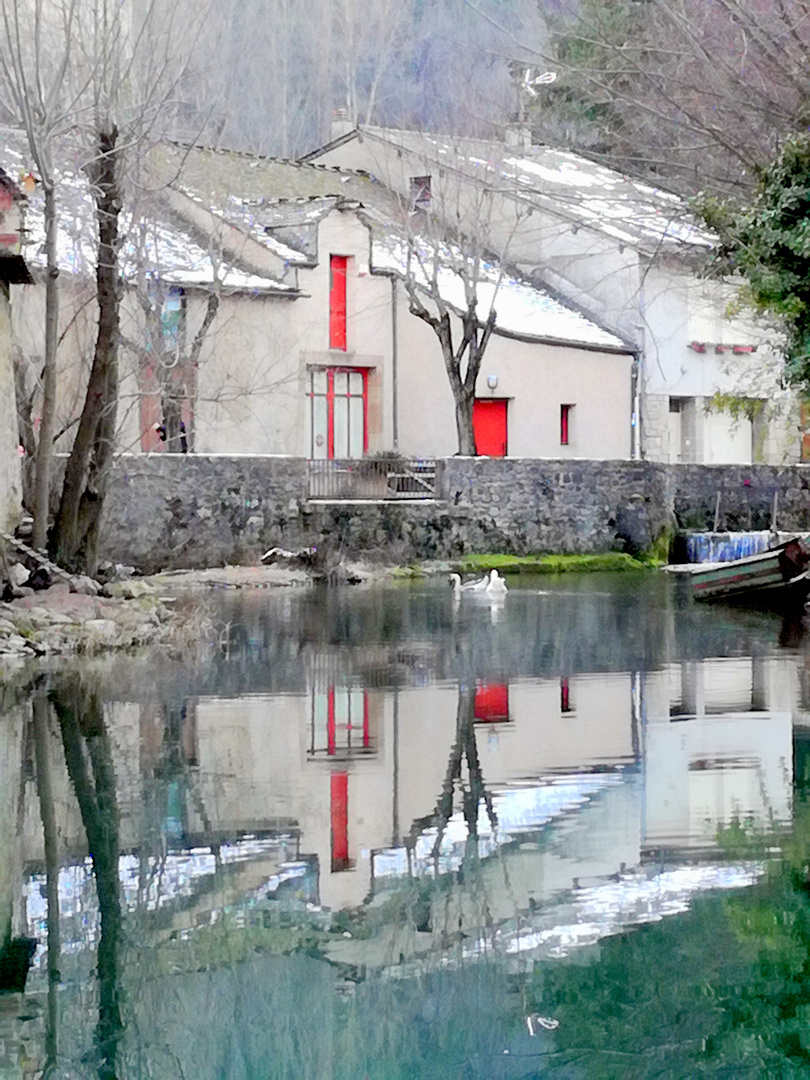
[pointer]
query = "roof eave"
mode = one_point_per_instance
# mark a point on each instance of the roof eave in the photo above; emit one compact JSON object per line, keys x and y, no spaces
{"x":333,"y":144}
{"x":570,"y":343}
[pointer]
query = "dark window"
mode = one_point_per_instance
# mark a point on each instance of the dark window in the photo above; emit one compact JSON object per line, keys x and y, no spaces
{"x":420,"y":192}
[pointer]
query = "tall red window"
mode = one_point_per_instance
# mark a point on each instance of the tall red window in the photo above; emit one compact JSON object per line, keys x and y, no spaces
{"x":339,"y":807}
{"x":339,"y":412}
{"x":565,"y":424}
{"x":337,"y":302}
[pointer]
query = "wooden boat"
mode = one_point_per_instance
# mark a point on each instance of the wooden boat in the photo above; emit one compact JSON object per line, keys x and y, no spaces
{"x":774,"y":577}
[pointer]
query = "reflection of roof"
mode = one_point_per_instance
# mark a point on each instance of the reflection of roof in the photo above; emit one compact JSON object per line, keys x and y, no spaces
{"x":170,"y":880}
{"x":560,"y":182}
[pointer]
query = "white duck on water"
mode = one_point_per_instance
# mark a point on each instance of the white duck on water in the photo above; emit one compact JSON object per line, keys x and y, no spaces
{"x":496,"y":585}
{"x":491,"y":584}
{"x":468,"y":586}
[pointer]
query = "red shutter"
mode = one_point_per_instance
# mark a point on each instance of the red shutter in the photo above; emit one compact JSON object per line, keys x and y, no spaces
{"x":340,"y":821}
{"x":337,"y":302}
{"x":564,"y":414}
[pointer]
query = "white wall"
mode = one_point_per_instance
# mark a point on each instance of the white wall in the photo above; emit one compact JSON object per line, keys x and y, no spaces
{"x":535,"y":378}
{"x":10,"y":480}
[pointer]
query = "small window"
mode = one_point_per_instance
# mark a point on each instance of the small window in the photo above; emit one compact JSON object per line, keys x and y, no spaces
{"x":566,"y":705}
{"x":675,"y":404}
{"x":565,"y":424}
{"x":420,"y":192}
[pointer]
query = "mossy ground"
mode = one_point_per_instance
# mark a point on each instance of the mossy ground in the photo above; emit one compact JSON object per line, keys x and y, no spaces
{"x":550,"y":564}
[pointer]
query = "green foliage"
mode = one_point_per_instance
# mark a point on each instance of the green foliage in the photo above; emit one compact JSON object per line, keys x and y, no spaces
{"x":548,"y":564}
{"x":723,"y":989}
{"x":594,"y":50}
{"x":657,"y":554}
{"x":767,"y":243}
{"x":738,"y":408}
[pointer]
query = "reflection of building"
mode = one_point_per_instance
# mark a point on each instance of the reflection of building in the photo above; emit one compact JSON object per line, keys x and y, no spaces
{"x":355,"y":773}
{"x":717,"y":749}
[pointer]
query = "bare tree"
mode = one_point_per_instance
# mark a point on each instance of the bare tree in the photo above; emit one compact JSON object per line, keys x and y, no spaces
{"x":35,"y":78}
{"x":451,"y":279}
{"x":694,"y":92}
{"x":127,"y":88}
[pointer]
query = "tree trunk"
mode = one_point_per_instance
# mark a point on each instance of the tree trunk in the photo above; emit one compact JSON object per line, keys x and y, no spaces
{"x":42,"y":743}
{"x":171,"y":405}
{"x":42,"y":489}
{"x":464,"y":421}
{"x":84,"y":735}
{"x":74,"y":543}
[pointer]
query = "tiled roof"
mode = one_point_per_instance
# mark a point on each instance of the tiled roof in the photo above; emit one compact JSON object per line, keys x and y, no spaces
{"x":562,"y":183}
{"x":152,"y":235}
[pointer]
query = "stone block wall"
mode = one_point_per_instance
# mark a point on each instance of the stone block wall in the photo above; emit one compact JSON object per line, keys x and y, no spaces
{"x":192,"y":511}
{"x":520,"y":506}
{"x":196,"y":510}
{"x":746,"y":496}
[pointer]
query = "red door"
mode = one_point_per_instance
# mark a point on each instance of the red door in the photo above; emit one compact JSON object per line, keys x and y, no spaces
{"x":489,"y":426}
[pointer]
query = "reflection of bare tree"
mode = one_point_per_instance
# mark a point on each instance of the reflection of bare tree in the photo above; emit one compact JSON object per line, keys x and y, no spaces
{"x":473,"y":793}
{"x":42,"y":739}
{"x":88,"y":755}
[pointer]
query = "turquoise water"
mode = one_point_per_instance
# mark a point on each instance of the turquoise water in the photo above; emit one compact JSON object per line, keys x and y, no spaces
{"x":381,"y":832}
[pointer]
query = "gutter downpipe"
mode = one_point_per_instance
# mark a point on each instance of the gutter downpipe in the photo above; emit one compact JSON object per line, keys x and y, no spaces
{"x":638,"y":380}
{"x":635,"y":416}
{"x":394,"y":366}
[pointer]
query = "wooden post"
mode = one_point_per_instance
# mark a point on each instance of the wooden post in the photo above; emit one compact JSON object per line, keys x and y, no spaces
{"x":774,"y":509}
{"x":717,"y":513}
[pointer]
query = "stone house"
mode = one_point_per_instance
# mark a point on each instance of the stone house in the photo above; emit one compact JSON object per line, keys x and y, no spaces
{"x":627,"y":254}
{"x":13,"y":271}
{"x":311,"y":349}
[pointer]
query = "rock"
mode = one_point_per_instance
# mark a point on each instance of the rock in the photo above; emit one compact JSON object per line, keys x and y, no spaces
{"x":17,"y":574}
{"x":39,"y":579}
{"x":103,"y":631}
{"x":128,"y":590}
{"x":84,"y":585}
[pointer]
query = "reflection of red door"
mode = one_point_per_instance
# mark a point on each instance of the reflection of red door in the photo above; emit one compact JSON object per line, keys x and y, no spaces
{"x":489,"y":426}
{"x":491,"y":703}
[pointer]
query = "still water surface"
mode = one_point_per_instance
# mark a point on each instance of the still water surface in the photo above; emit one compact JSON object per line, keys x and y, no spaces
{"x":384,"y":833}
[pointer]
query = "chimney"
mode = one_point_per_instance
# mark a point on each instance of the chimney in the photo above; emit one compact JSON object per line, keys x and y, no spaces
{"x":518,"y":136}
{"x":341,"y":123}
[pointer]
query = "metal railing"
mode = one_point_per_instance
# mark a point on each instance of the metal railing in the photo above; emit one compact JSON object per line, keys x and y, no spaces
{"x":373,"y":478}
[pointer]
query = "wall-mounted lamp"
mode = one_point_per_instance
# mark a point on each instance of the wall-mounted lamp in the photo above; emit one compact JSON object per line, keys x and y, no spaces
{"x":492,"y":381}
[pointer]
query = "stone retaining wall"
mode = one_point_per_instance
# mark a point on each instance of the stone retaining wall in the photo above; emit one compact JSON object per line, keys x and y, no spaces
{"x":167,"y":510}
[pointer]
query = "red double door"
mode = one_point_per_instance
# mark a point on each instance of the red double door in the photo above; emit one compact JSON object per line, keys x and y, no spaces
{"x":489,"y":426}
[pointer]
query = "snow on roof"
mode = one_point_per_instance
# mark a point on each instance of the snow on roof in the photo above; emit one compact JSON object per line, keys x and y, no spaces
{"x":565,"y":183}
{"x":521,"y":308}
{"x":149,"y":239}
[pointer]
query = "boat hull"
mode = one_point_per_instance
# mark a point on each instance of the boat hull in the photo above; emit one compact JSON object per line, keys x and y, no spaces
{"x":779,"y":575}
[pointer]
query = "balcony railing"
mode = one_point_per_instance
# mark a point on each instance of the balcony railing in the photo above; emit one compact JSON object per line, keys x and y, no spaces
{"x":373,"y":478}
